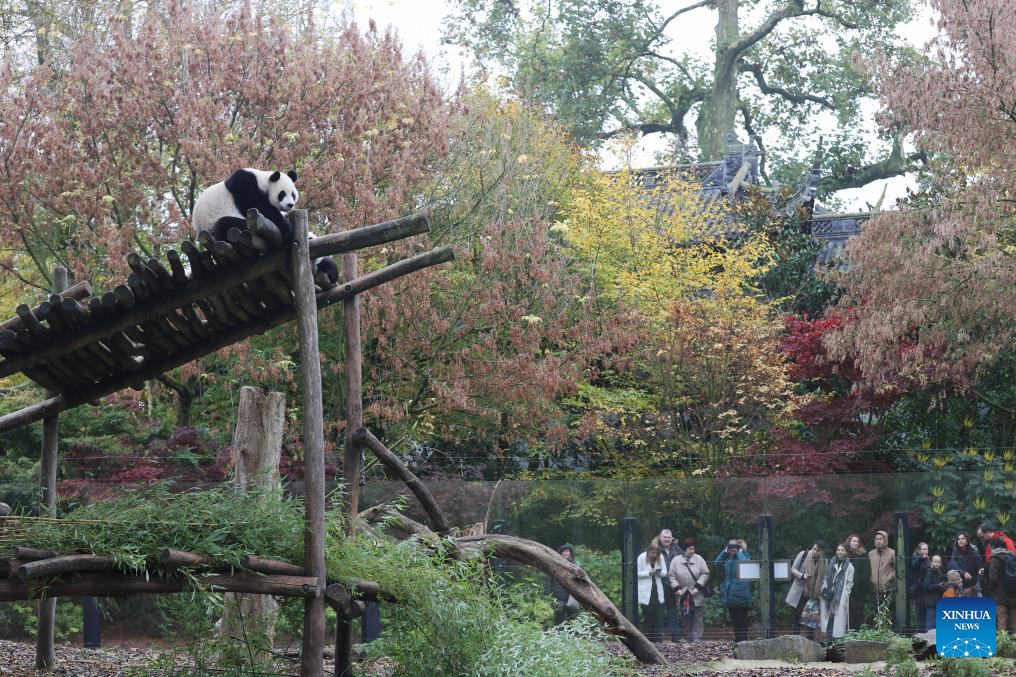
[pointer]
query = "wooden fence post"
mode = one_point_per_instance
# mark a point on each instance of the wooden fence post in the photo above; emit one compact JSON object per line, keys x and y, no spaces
{"x":257,"y":448}
{"x":45,"y":654}
{"x":312,"y":664}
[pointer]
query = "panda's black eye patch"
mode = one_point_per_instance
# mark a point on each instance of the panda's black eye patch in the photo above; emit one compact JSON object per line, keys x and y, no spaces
{"x":282,"y":196}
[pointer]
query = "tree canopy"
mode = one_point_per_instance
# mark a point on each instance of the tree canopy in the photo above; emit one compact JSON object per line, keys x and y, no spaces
{"x":777,"y":68}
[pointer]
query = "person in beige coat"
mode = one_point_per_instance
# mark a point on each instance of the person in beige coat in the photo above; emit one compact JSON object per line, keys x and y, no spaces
{"x":688,"y":574}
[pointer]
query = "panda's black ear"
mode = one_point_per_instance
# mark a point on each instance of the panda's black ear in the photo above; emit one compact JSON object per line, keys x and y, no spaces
{"x":274,"y":177}
{"x":292,"y":175}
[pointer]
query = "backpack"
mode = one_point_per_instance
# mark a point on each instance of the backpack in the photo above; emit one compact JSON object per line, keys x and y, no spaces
{"x":1010,"y":574}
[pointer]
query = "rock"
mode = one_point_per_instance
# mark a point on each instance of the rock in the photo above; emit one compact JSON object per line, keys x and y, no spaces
{"x":862,"y":651}
{"x":923,"y":645}
{"x":793,"y":648}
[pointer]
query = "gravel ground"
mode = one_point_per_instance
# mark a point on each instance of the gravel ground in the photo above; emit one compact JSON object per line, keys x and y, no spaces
{"x":705,"y":659}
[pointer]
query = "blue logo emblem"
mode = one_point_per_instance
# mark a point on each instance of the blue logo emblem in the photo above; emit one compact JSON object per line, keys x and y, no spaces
{"x":965,"y":627}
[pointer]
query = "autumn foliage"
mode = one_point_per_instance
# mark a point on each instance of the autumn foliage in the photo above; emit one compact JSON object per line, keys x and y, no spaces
{"x":929,"y":290}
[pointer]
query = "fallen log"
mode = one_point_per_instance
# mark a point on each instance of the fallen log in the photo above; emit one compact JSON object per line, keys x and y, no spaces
{"x":412,"y":482}
{"x":575,"y":580}
{"x":383,"y":514}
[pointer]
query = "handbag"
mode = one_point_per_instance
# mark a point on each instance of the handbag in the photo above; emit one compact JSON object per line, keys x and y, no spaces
{"x":811,"y":615}
{"x":686,"y":603}
{"x":707,"y":590}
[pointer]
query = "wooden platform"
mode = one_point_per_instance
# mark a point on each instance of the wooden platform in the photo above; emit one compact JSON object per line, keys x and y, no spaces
{"x":82,"y":346}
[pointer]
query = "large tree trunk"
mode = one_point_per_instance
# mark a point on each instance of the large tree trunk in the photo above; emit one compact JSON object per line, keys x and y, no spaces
{"x":257,"y":447}
{"x":719,"y":107}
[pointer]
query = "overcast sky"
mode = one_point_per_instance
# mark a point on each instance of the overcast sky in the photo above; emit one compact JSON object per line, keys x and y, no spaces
{"x":419,"y":23}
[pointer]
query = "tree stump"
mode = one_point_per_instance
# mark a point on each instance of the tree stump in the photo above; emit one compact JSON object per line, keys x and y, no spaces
{"x":257,"y":448}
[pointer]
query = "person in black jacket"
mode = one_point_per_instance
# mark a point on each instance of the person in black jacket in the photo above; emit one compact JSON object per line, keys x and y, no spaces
{"x":968,"y":561}
{"x":919,"y":565}
{"x":672,"y":615}
{"x":862,"y":580}
{"x":565,"y":606}
{"x":935,"y":583}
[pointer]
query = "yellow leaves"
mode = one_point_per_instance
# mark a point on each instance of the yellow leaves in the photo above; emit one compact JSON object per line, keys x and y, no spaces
{"x":1003,"y":518}
{"x":531,"y":319}
{"x":651,"y":247}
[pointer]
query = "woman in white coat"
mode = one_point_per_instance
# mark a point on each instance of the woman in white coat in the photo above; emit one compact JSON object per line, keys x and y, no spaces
{"x":651,"y":569}
{"x":839,"y":581}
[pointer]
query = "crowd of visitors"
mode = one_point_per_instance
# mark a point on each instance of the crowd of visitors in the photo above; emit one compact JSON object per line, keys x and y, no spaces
{"x":832,"y":591}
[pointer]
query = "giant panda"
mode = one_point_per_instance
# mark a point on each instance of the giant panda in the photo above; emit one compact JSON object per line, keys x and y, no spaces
{"x":224,"y":205}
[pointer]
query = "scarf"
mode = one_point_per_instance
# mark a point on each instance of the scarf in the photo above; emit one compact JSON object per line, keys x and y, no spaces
{"x":835,"y":577}
{"x":815,"y":567}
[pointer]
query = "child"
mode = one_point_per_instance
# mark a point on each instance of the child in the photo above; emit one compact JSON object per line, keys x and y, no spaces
{"x":935,"y":585}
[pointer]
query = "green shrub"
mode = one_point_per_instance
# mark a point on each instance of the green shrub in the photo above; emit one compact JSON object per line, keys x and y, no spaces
{"x":962,"y":667}
{"x":20,"y":619}
{"x":1005,"y":646}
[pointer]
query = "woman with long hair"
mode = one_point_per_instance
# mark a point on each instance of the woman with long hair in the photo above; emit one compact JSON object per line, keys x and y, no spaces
{"x":839,"y":581}
{"x":858,"y":556}
{"x":651,"y":570}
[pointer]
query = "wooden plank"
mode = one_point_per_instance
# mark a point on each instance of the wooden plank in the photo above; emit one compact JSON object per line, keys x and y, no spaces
{"x":214,"y":284}
{"x":271,"y":566}
{"x":124,"y":297}
{"x":145,"y":273}
{"x":29,"y":554}
{"x":79,"y":291}
{"x":166,"y":280}
{"x":197,"y":325}
{"x":32,"y":324}
{"x":210,"y":316}
{"x":138,"y":288}
{"x":228,"y":337}
{"x":176,"y":266}
{"x":193,"y":254}
{"x":313,"y":446}
{"x":246,"y":299}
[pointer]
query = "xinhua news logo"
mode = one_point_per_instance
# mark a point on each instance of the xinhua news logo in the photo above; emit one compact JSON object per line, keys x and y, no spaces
{"x":965,"y":627}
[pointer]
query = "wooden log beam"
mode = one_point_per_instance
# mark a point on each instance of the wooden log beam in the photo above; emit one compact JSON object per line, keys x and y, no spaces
{"x":574,"y":579}
{"x":392,"y":462}
{"x":79,"y":291}
{"x":227,"y":337}
{"x":259,"y":225}
{"x":369,"y":236}
{"x":340,"y":599}
{"x":32,"y":554}
{"x":181,"y":558}
{"x":111,"y":584}
{"x":353,"y":445}
{"x":54,"y":566}
{"x":271,"y":566}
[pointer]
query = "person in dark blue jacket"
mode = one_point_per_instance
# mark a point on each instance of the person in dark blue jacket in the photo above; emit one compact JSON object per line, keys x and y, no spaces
{"x":735,"y":594}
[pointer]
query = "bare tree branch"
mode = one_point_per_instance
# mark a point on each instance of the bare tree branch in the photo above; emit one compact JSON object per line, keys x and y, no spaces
{"x":796,"y":98}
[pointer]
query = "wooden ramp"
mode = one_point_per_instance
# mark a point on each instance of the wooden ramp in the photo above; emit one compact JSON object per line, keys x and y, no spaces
{"x":81,"y":347}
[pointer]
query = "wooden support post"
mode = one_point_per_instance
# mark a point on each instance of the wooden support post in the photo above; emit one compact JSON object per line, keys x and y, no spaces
{"x":351,"y":462}
{"x":257,"y":448}
{"x":45,"y":654}
{"x":311,"y":664}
